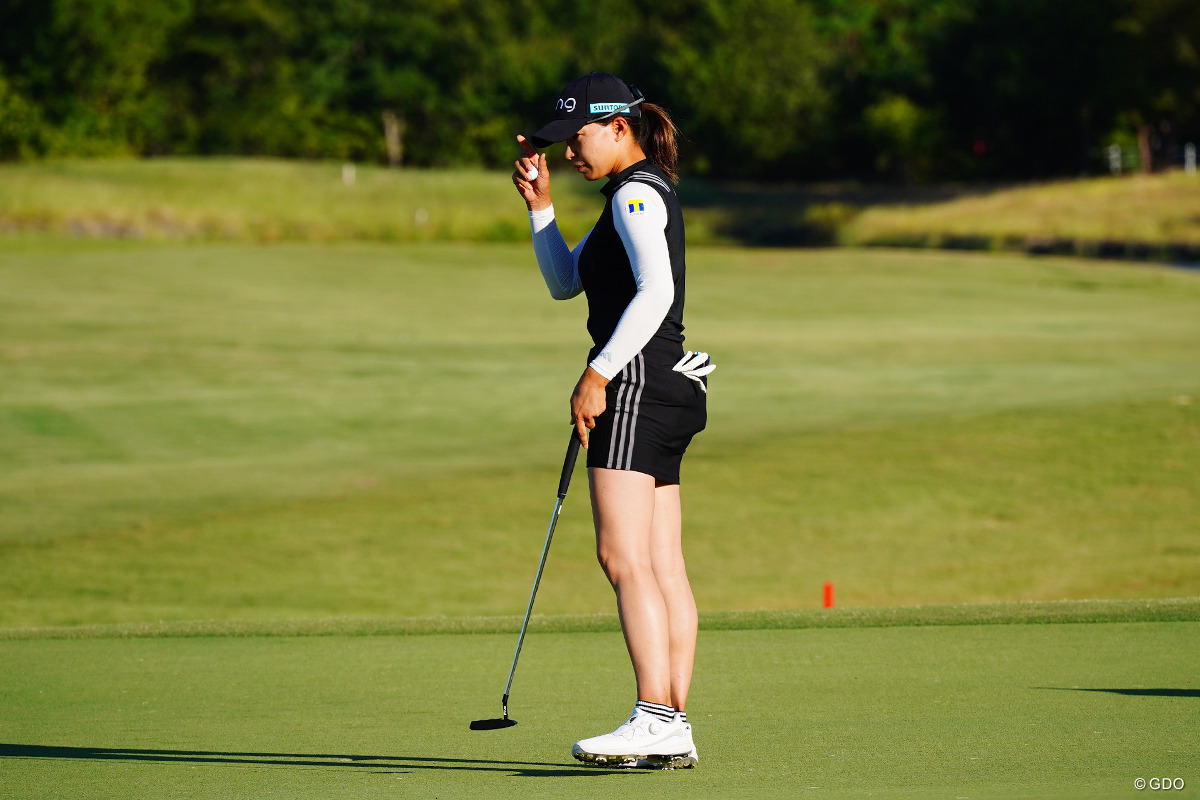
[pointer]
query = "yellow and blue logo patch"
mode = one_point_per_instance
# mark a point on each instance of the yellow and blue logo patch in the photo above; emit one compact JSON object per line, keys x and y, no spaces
{"x":636,"y":207}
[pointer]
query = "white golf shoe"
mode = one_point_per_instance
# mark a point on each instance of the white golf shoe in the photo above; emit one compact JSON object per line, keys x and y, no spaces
{"x":692,"y":759}
{"x":642,"y":741}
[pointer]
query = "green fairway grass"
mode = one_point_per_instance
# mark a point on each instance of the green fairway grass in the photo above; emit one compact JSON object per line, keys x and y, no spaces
{"x":232,"y":432}
{"x":937,"y":707}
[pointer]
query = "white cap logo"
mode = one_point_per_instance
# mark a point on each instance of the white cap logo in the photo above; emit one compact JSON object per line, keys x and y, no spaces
{"x":568,"y":104}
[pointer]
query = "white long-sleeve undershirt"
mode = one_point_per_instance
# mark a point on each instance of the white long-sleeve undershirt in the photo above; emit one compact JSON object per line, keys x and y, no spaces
{"x":642,"y":229}
{"x":558,"y":263}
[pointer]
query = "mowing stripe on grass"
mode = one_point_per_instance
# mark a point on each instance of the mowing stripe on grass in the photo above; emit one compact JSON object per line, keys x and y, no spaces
{"x":1182,"y":609}
{"x":228,"y":432}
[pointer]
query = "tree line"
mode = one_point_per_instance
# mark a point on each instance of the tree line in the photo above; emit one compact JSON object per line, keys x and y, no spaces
{"x":910,"y":90}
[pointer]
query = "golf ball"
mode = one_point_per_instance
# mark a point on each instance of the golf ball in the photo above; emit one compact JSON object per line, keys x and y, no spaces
{"x":532,"y":174}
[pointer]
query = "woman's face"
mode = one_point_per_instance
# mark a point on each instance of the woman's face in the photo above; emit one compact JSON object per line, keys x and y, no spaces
{"x":594,"y":150}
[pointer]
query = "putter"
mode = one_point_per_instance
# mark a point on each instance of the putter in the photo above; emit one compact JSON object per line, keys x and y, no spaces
{"x":563,"y":483}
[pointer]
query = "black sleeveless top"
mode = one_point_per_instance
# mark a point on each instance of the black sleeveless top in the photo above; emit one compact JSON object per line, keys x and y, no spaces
{"x":605,"y":270}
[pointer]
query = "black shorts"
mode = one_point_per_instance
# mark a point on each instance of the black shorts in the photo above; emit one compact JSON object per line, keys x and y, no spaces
{"x":652,"y":414}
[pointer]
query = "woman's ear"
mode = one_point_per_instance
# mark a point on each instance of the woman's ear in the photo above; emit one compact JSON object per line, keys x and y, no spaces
{"x":620,"y":128}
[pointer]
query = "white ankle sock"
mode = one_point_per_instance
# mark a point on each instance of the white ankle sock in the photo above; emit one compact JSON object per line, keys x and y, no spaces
{"x":664,"y":713}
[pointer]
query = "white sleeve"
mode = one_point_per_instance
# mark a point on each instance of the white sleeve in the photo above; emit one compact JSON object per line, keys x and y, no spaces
{"x":640,"y":216}
{"x":559,"y":264}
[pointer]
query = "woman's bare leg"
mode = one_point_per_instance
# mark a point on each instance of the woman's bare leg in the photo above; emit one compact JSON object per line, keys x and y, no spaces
{"x":666,"y":558}
{"x":623,"y":509}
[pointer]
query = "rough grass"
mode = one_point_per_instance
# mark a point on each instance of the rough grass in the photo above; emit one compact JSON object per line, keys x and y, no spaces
{"x":231,"y":432}
{"x":1138,"y":216}
{"x":266,"y":200}
{"x":1144,"y":217}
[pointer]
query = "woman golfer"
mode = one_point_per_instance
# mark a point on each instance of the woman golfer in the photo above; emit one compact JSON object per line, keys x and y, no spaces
{"x":641,"y":398}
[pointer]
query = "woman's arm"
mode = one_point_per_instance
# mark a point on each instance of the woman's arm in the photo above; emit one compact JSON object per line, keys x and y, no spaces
{"x":640,"y":216}
{"x":558,"y":263}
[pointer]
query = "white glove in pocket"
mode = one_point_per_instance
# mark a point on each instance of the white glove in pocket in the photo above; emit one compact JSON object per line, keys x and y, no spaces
{"x":695,"y":366}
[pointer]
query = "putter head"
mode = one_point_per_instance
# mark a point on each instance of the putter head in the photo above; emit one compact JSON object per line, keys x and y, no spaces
{"x":492,"y":724}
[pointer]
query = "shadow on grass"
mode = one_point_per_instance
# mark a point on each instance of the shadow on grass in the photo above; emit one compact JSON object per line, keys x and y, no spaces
{"x":1129,"y":692}
{"x":525,"y":769}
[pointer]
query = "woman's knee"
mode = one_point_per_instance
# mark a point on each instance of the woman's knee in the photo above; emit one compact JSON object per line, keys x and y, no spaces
{"x":668,"y":565}
{"x":612,"y":561}
{"x":620,"y":564}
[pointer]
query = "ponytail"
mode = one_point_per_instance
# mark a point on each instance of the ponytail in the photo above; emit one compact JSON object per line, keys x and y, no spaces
{"x":656,"y":134}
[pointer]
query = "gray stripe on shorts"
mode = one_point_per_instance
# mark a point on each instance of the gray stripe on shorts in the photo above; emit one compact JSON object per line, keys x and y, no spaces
{"x":637,"y":402}
{"x":629,"y":398}
{"x":615,"y":433}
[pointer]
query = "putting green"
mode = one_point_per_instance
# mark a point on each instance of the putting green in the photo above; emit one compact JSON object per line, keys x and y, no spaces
{"x":999,"y":710}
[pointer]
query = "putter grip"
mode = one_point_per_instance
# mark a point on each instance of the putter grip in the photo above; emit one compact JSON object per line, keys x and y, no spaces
{"x":568,"y":464}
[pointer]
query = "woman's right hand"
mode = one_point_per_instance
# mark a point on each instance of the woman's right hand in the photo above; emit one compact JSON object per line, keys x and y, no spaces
{"x":588,"y":401}
{"x":537,"y":191}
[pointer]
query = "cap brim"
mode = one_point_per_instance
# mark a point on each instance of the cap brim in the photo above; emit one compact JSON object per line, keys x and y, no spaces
{"x":558,"y":131}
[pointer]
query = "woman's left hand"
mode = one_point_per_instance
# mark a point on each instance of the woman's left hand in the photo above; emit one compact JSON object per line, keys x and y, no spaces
{"x":588,"y":401}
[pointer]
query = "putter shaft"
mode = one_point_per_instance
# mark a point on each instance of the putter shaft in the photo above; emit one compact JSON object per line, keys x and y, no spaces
{"x":564,"y":483}
{"x":529,"y":609}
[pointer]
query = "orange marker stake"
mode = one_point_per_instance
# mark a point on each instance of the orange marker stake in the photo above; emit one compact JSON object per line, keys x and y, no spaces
{"x":829,"y":594}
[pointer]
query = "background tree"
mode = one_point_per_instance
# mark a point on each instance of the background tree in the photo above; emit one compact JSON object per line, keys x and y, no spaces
{"x":911,"y":90}
{"x":747,"y":77}
{"x":1026,"y":87}
{"x":1161,"y":101}
{"x":885,"y":121}
{"x":81,"y":69}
